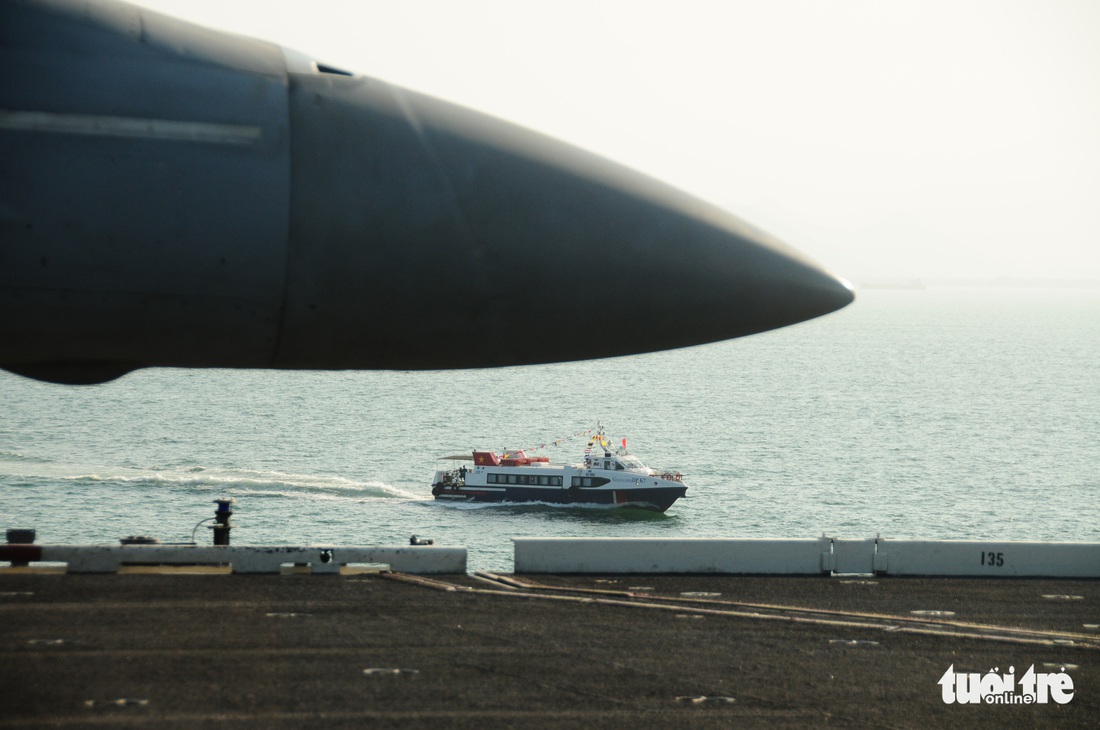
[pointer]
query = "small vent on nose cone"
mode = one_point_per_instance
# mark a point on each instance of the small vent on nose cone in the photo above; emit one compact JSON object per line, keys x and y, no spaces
{"x":326,"y":69}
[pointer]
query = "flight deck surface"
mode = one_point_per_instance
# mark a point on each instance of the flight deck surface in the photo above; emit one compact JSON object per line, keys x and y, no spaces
{"x":370,"y":649}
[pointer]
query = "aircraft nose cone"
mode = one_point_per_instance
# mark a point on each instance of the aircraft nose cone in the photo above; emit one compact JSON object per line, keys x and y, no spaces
{"x":426,"y":235}
{"x":173,"y":196}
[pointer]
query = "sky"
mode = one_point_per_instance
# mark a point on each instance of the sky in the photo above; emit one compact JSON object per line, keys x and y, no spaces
{"x":928,"y":139}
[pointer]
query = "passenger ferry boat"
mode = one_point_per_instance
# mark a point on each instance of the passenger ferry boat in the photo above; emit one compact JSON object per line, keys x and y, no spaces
{"x":617,"y":479}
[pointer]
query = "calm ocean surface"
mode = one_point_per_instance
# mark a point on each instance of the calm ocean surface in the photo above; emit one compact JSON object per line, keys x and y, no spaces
{"x":941,"y":413}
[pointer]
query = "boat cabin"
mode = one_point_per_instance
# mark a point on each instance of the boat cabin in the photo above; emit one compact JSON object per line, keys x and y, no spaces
{"x":619,"y":462}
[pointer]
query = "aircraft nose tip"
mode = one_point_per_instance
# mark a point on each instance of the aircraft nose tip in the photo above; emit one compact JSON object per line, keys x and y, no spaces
{"x":768,"y":285}
{"x":721,"y":279}
{"x":565,"y":231}
{"x":830,"y":293}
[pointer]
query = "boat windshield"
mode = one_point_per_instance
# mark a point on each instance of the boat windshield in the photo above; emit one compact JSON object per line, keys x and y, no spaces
{"x":632,"y":464}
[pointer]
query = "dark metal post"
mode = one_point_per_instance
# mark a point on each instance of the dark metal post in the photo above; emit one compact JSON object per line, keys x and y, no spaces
{"x":222,"y":517}
{"x":17,"y":536}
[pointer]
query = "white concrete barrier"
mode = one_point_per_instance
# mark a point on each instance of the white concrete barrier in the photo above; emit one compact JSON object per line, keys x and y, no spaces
{"x":671,"y":555}
{"x":987,"y":558}
{"x":824,"y":555}
{"x":242,"y":558}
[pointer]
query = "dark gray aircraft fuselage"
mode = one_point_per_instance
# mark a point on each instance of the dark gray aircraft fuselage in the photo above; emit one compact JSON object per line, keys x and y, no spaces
{"x":176,"y":196}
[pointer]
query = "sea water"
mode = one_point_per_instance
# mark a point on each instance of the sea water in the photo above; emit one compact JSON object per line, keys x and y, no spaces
{"x":937,"y":413}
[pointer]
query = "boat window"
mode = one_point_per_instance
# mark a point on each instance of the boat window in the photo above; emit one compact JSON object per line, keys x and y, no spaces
{"x":532,"y":479}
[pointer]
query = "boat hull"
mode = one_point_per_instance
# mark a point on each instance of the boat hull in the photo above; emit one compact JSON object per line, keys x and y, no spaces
{"x":658,"y":499}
